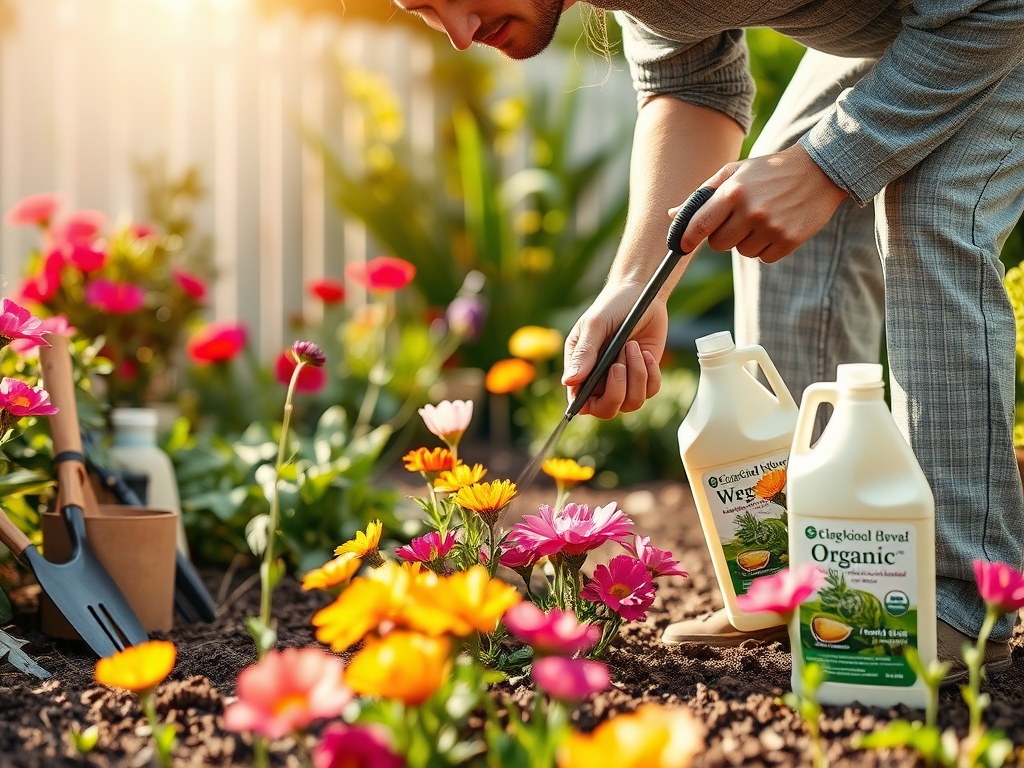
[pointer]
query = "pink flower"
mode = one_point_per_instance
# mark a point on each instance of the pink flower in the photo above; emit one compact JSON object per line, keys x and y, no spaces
{"x":286,"y":691}
{"x":311,"y":378}
{"x":57,"y":324}
{"x":308,"y":353}
{"x":448,"y":420}
{"x":18,"y":323}
{"x":555,"y":633}
{"x":658,"y":561}
{"x":428,"y":548}
{"x":18,"y":399}
{"x":42,"y":286}
{"x":999,"y":585}
{"x":570,"y":679}
{"x":216,"y":343}
{"x":114,"y":298}
{"x":141,"y":231}
{"x":328,"y":291}
{"x":782,"y":592}
{"x":514,"y":556}
{"x":34,"y":210}
{"x":86,"y":259}
{"x":80,"y":228}
{"x":573,"y":530}
{"x":193,"y":286}
{"x":624,"y":585}
{"x":385,"y":273}
{"x":355,"y":746}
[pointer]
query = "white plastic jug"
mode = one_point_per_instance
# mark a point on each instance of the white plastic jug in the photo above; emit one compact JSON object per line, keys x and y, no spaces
{"x":735,"y":443}
{"x":861,"y":510}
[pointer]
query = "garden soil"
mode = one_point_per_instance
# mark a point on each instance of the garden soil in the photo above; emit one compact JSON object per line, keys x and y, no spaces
{"x":733,"y":692}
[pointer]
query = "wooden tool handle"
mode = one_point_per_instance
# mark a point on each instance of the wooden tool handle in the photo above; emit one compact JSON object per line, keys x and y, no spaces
{"x":59,"y":381}
{"x":12,"y":536}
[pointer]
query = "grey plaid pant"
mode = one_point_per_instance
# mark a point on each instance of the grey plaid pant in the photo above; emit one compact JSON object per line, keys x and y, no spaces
{"x":938,"y":289}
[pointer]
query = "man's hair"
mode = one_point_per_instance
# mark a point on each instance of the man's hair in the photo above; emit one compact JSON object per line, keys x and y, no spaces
{"x":595,"y":30}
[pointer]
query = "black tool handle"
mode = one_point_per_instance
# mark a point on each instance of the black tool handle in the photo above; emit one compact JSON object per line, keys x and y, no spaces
{"x":618,"y":341}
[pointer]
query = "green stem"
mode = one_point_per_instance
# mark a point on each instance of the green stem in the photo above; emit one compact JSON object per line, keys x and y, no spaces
{"x":163,"y":750}
{"x":492,"y":554}
{"x":563,"y":494}
{"x":975,"y":668}
{"x":260,"y":753}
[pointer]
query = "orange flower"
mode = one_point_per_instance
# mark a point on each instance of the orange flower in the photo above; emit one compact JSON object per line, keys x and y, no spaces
{"x":334,"y":573}
{"x":487,"y":499}
{"x":651,"y":737}
{"x":459,"y":477}
{"x":429,"y":461}
{"x":406,"y":666}
{"x":365,"y":545}
{"x":566,"y":472}
{"x":466,"y":600}
{"x":509,"y":375}
{"x":138,"y":668}
{"x":770,"y":484}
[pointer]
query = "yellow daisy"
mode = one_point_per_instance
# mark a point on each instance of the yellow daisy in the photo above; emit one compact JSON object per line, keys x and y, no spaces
{"x":487,"y":499}
{"x":566,"y":471}
{"x":334,"y":573}
{"x":139,"y":667}
{"x":456,"y":479}
{"x":365,"y":545}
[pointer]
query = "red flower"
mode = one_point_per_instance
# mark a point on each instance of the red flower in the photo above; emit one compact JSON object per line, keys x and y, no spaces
{"x":34,"y":210}
{"x":311,"y":378}
{"x":42,"y":286}
{"x":80,"y":227}
{"x":328,"y":291}
{"x":216,"y":343}
{"x":191,"y":284}
{"x":115,"y":298}
{"x":385,"y":273}
{"x":85,"y":258}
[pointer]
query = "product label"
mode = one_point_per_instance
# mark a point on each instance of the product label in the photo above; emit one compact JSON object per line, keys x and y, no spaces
{"x":865,"y":615}
{"x":748,"y":504}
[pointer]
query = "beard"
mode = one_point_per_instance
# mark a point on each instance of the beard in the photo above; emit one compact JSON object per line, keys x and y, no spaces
{"x":539,"y":30}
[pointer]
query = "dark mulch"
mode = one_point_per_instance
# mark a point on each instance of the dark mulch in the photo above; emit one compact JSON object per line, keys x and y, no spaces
{"x":733,"y":692}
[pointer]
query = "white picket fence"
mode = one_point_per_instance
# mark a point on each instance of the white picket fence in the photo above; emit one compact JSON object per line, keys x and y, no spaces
{"x":89,"y":87}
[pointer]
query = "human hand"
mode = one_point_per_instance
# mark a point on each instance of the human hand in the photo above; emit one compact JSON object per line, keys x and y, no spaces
{"x":765,"y":206}
{"x":635,"y":376}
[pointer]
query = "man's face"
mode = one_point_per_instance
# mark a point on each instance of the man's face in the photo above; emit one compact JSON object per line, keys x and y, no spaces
{"x":518,"y":28}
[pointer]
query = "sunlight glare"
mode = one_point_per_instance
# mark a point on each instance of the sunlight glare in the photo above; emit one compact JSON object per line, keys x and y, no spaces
{"x":185,"y":6}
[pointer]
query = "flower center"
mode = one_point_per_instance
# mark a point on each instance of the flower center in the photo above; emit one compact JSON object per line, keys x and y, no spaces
{"x":291,"y":701}
{"x":21,"y":400}
{"x":620,"y":591}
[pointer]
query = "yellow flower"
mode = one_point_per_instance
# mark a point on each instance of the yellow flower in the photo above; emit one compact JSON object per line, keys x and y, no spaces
{"x":333,"y":573}
{"x":463,"y":602}
{"x":430,"y":461}
{"x":138,"y":668}
{"x":487,"y":499}
{"x":509,"y":375}
{"x":566,"y":472}
{"x":365,"y":544}
{"x":770,"y":484}
{"x":458,"y":478}
{"x":651,"y":737}
{"x":531,"y":342}
{"x":406,"y":666}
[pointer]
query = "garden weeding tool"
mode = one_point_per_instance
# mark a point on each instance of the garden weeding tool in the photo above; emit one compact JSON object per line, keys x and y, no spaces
{"x":618,"y":341}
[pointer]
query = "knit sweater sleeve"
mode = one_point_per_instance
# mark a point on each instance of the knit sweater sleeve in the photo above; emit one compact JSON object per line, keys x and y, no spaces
{"x":941,"y":68}
{"x":714,"y":72}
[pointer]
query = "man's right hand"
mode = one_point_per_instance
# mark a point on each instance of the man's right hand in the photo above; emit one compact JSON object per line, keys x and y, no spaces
{"x":636,"y":375}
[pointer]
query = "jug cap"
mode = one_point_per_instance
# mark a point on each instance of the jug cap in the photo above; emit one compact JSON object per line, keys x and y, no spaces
{"x":130,"y":418}
{"x":715,"y":343}
{"x":859,"y":375}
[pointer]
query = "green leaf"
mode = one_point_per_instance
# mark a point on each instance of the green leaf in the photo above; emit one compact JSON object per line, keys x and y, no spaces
{"x":24,"y":481}
{"x":272,"y":573}
{"x":84,"y":741}
{"x":264,"y":636}
{"x":925,"y":740}
{"x":257,"y":534}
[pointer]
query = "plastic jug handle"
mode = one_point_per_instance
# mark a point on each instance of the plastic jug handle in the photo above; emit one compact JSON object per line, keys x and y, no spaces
{"x":757,"y":354}
{"x":814,"y":396}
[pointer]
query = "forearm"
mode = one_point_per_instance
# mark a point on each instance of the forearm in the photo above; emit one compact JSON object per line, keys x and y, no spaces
{"x":676,"y":146}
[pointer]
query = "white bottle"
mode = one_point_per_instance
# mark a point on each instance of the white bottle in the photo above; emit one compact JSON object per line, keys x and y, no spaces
{"x":735,"y":443}
{"x":136,"y":450}
{"x":861,"y":510}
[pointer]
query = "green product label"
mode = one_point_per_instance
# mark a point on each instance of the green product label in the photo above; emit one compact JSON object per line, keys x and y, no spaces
{"x":748,"y":504}
{"x":865,"y":615}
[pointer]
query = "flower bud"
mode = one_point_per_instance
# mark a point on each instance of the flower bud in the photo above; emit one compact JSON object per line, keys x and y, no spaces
{"x":309,"y":353}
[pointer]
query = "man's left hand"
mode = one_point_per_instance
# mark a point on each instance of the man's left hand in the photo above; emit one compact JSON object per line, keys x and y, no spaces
{"x":765,"y":206}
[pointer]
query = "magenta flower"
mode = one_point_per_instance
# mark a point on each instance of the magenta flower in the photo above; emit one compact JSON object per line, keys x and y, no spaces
{"x":142,"y":231}
{"x":448,"y":419}
{"x":1000,"y":585}
{"x":624,"y":585}
{"x":782,"y":592}
{"x":311,"y":378}
{"x":86,"y":259}
{"x":570,"y":680}
{"x":193,"y":286}
{"x":355,"y":746}
{"x":573,"y":530}
{"x":514,"y":556}
{"x":286,"y":691}
{"x":658,"y":561}
{"x":555,"y":633}
{"x":465,"y":317}
{"x":80,"y":228}
{"x":114,"y":298}
{"x":427,"y":549}
{"x":18,"y":399}
{"x":18,"y":323}
{"x":34,"y":210}
{"x":57,"y":324}
{"x":308,"y":353}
